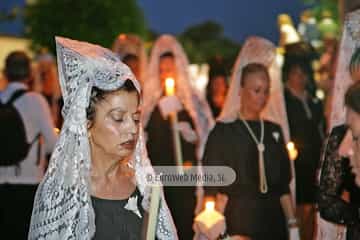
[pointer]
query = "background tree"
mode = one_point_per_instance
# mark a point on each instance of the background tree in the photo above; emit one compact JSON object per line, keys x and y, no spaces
{"x":319,"y":7}
{"x":206,"y":41}
{"x":96,"y":21}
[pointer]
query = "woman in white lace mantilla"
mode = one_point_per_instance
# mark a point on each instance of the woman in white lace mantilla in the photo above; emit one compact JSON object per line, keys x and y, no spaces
{"x":98,"y":168}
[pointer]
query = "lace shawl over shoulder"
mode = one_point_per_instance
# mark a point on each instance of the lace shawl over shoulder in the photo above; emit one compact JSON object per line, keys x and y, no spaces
{"x":335,"y":172}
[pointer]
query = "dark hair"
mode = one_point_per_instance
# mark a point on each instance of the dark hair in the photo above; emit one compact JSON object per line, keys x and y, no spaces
{"x":291,"y":63}
{"x":17,"y":66}
{"x":211,"y":81}
{"x":253,"y":68}
{"x":129,"y":57}
{"x":209,"y":93}
{"x":216,"y":71}
{"x":167,"y":54}
{"x":352,"y":97}
{"x":354,"y":64}
{"x":98,"y":95}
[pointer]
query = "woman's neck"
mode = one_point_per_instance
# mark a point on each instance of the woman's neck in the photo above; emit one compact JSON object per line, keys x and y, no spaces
{"x":249,"y":115}
{"x":113,"y":182}
{"x":105,"y":166}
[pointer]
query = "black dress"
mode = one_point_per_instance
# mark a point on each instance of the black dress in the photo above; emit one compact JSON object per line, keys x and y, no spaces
{"x":114,"y":222}
{"x":336,"y":177}
{"x":181,"y":200}
{"x":250,"y":212}
{"x":306,"y":131}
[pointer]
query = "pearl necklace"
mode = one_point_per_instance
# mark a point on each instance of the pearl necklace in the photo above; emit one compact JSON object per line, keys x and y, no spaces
{"x":261,"y":148}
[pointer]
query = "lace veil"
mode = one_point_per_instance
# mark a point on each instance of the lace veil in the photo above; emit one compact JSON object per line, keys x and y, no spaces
{"x":198,"y":110}
{"x":349,"y":42}
{"x":132,"y":44}
{"x":257,"y":50}
{"x":62,"y":207}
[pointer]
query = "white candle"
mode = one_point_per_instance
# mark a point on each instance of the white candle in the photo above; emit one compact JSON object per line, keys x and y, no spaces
{"x":153,"y":212}
{"x":170,"y":91}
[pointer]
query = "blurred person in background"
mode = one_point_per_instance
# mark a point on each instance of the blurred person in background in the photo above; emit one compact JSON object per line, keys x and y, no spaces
{"x":19,"y":180}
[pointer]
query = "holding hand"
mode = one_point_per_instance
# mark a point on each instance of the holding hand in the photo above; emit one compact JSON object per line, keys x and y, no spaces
{"x":187,"y":132}
{"x":213,"y":233}
{"x":168,"y":105}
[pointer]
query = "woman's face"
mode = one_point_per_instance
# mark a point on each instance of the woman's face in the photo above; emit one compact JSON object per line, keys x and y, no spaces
{"x":114,"y":130}
{"x":255,"y":92}
{"x":297,"y":77}
{"x":167,"y":69}
{"x":353,"y":121}
{"x":219,"y":85}
{"x":218,"y":90}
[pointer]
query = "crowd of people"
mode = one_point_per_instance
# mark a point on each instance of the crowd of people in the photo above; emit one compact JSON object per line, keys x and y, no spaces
{"x":79,"y":134}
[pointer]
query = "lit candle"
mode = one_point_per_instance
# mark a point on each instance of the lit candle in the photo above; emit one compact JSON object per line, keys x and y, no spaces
{"x":153,"y":212}
{"x":170,"y":91}
{"x":209,"y":218}
{"x":170,"y":86}
{"x":292,"y":151}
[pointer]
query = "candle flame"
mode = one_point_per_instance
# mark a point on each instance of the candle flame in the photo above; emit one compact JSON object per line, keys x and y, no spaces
{"x":210,"y":205}
{"x":170,"y":86}
{"x":293,"y":152}
{"x":290,"y":146}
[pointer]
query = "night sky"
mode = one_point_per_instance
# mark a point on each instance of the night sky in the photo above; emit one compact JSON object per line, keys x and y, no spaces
{"x":13,"y":27}
{"x":240,"y":18}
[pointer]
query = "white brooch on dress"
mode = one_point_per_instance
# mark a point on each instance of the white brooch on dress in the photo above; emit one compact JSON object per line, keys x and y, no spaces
{"x":132,"y":206}
{"x":276,"y":136}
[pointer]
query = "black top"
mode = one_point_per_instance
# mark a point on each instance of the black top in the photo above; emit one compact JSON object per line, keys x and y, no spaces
{"x":250,"y":212}
{"x":336,"y":177}
{"x":114,"y":222}
{"x":306,"y":125}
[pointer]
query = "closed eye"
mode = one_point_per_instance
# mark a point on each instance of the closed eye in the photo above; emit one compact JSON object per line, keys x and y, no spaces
{"x":136,"y":117}
{"x":118,"y":119}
